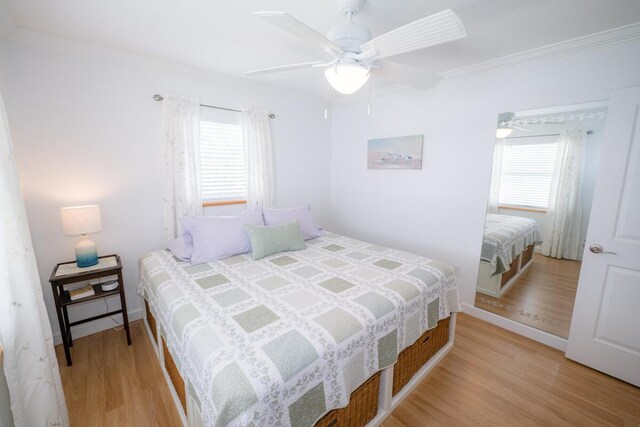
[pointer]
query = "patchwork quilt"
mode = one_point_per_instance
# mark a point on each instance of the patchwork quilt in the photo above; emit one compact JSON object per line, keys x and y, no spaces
{"x":283,"y":340}
{"x":506,"y":237}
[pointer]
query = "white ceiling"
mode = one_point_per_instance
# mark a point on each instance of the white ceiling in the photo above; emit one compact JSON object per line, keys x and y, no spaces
{"x":223,"y":36}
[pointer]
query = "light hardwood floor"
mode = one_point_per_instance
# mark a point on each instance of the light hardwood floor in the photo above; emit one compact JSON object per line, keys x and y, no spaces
{"x":112,"y":384}
{"x":491,"y":377}
{"x":542,"y":297}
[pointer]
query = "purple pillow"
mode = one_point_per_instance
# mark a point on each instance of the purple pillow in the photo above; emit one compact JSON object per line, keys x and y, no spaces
{"x":181,"y":247}
{"x":302,"y":214}
{"x":217,"y":237}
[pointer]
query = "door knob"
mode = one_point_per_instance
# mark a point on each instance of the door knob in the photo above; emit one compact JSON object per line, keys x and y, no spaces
{"x":598,"y":249}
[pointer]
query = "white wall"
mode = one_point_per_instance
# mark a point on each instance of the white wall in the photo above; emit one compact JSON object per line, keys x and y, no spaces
{"x":439,"y":211}
{"x":87,"y":131}
{"x":4,"y":56}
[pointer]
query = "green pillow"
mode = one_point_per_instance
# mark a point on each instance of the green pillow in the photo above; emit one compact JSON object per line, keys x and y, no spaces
{"x":269,"y":240}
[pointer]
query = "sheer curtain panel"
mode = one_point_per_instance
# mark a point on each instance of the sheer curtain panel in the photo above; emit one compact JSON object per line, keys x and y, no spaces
{"x":564,"y":214}
{"x":256,"y":135}
{"x":181,"y":161}
{"x":30,"y":364}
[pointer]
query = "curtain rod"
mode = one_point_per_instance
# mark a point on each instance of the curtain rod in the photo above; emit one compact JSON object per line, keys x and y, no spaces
{"x":159,"y":98}
{"x":589,"y":132}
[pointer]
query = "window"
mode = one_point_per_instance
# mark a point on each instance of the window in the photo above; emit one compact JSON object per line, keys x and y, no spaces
{"x":222,"y":167}
{"x":527,"y":169}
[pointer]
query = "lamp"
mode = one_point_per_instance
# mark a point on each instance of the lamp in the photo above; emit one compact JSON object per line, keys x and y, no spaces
{"x":347,"y":77}
{"x":82,"y":220}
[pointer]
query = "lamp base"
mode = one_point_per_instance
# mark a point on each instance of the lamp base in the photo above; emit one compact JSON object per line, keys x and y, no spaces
{"x":86,"y":253}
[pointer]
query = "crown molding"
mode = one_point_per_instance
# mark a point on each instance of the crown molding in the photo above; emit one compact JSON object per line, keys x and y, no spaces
{"x":568,"y":47}
{"x":7,"y":24}
{"x":605,"y":38}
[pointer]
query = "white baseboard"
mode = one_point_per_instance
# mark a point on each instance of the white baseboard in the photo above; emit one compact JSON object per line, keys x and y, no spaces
{"x":543,"y":337}
{"x":98,"y":325}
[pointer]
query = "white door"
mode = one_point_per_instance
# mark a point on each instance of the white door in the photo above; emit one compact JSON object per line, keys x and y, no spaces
{"x":605,"y":329}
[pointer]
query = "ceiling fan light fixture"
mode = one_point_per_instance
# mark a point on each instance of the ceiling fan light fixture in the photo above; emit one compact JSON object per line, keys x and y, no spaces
{"x":347,"y":78}
{"x":502,"y":133}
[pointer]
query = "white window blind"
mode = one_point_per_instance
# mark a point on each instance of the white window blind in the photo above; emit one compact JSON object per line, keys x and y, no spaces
{"x":527,"y":170}
{"x":222,"y":167}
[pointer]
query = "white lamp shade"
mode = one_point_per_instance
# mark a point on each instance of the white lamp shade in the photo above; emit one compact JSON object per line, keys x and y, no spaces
{"x":347,"y":78}
{"x":81,"y":219}
{"x":503,"y":132}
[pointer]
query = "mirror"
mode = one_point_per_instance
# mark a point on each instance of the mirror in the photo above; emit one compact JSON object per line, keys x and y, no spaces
{"x":543,"y":176}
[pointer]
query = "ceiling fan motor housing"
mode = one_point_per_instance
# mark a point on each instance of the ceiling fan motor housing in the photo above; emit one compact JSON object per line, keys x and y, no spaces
{"x":349,"y":36}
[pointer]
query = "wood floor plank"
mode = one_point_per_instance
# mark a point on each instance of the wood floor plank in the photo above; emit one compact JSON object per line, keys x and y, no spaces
{"x":112,"y":384}
{"x":491,"y":377}
{"x":534,"y":386}
{"x":542,"y":297}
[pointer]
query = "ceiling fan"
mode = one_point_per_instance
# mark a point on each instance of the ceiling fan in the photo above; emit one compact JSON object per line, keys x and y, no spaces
{"x":353,"y":52}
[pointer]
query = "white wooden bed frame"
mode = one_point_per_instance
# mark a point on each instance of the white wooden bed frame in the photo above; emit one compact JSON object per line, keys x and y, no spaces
{"x":490,"y":284}
{"x":386,"y":402}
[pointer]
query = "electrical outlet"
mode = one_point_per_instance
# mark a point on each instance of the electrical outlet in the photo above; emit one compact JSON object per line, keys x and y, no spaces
{"x":457,"y":270}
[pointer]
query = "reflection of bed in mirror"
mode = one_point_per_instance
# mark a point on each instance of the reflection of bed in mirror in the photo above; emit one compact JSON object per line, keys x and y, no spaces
{"x":507,"y":249}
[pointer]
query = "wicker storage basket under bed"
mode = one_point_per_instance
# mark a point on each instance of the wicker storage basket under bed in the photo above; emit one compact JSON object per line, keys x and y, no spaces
{"x":151,"y":321}
{"x":412,"y":358}
{"x":362,"y":407}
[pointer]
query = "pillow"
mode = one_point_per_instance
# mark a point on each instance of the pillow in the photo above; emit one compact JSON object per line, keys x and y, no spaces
{"x":217,"y":237}
{"x":181,"y":247}
{"x":269,"y":240}
{"x":302,"y":214}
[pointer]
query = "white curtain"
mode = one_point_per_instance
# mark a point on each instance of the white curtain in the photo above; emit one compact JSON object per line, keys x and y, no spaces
{"x":181,"y":161}
{"x":256,"y":135}
{"x":30,"y":364}
{"x":496,"y":176}
{"x":564,"y":214}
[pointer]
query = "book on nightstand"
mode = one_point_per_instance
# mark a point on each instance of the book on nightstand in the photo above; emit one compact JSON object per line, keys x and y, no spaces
{"x":85,"y":291}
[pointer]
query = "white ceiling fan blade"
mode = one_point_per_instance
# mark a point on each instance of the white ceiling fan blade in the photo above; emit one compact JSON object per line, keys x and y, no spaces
{"x":410,"y":76}
{"x":297,"y":28}
{"x":432,"y":30}
{"x":280,"y":68}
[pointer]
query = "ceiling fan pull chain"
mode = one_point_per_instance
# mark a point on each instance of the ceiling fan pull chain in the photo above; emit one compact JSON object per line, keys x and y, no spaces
{"x":326,"y":102}
{"x":369,"y":101}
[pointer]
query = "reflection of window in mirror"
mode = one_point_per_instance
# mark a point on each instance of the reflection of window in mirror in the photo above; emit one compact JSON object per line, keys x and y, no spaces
{"x":526,"y":169}
{"x":538,"y":210}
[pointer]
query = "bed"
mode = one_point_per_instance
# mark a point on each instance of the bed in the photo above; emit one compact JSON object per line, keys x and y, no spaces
{"x":507,"y":248}
{"x":293,"y":337}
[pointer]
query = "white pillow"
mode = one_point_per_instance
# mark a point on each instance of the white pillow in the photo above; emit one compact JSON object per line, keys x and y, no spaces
{"x":217,"y":237}
{"x":302,"y":214}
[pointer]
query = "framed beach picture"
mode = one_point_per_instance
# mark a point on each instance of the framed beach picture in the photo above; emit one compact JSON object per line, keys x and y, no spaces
{"x":401,"y":152}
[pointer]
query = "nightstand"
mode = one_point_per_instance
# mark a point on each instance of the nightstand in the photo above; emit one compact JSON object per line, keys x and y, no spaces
{"x":66,"y":273}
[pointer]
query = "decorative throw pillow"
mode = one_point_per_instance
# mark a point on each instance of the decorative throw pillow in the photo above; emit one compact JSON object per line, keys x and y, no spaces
{"x":269,"y":240}
{"x":302,"y":214}
{"x":217,"y":237}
